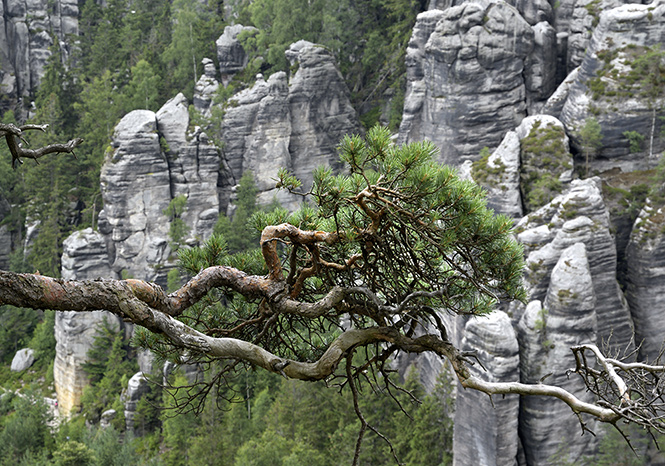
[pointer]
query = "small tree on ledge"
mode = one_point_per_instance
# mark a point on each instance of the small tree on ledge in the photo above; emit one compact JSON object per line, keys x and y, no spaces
{"x":353,"y":278}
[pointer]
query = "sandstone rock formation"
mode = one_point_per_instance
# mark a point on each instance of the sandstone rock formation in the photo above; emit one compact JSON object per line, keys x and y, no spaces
{"x":6,"y":242}
{"x":472,"y":89}
{"x":230,"y":52}
{"x":546,"y":164}
{"x":645,"y":292}
{"x":206,"y":88}
{"x":154,"y":160}
{"x":577,"y":216}
{"x":137,"y":387}
{"x":27,"y":30}
{"x":531,"y":166}
{"x":609,"y":87}
{"x":295,"y":125}
{"x":85,"y":256}
{"x":499,"y":174}
{"x":158,"y":156}
{"x":23,"y":359}
{"x":567,"y":317}
{"x":485,"y":431}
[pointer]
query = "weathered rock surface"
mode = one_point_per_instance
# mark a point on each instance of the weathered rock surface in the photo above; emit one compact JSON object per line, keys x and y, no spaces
{"x":230,"y":52}
{"x":193,"y":163}
{"x":541,"y":69}
{"x":546,"y":164}
{"x":136,"y":189}
{"x":23,"y":359}
{"x":85,"y":256}
{"x":107,"y":417}
{"x":645,"y":292}
{"x":5,"y":235}
{"x":603,"y":86}
{"x":416,"y":88}
{"x":206,"y":88}
{"x":577,"y":216}
{"x":321,"y":112}
{"x":473,"y":88}
{"x":27,"y":30}
{"x":500,"y":176}
{"x":137,"y":387}
{"x":296,"y":125}
{"x":485,"y":431}
{"x":549,"y":433}
{"x":141,"y":177}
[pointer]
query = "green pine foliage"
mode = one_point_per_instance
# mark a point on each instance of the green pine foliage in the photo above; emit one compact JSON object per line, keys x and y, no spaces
{"x":237,"y":230}
{"x":109,"y":367}
{"x":178,"y":229}
{"x":23,"y":428}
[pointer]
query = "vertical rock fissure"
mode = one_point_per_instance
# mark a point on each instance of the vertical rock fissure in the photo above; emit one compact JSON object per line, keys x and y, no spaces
{"x":167,"y":159}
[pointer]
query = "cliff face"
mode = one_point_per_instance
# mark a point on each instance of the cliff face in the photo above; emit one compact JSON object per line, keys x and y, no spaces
{"x":154,"y":160}
{"x":546,"y":332}
{"x":646,"y":280}
{"x":485,"y":431}
{"x":27,"y":29}
{"x":570,"y":248}
{"x":294,"y":124}
{"x":85,"y":257}
{"x":470,"y":88}
{"x":610,"y":86}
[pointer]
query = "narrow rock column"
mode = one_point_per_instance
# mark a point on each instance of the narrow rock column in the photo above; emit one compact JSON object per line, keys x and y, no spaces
{"x":486,"y":428}
{"x":549,"y":430}
{"x":646,"y":280}
{"x":84,"y":257}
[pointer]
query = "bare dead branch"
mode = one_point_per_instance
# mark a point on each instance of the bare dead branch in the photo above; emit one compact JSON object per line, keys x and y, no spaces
{"x":11,"y":133}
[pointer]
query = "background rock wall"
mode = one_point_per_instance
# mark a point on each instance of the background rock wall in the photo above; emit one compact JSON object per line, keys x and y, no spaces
{"x":27,"y":29}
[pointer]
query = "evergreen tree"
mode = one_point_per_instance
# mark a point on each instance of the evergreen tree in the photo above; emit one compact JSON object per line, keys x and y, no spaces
{"x":591,"y":139}
{"x":143,"y":89}
{"x":25,"y":429}
{"x":195,"y":27}
{"x":238,"y":233}
{"x":109,"y":368}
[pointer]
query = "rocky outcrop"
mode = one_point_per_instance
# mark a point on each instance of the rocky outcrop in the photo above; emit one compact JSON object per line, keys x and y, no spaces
{"x":577,"y":216}
{"x":485,"y":431}
{"x":85,"y":256}
{"x":206,"y":88}
{"x":136,"y":189}
{"x":193,"y":162}
{"x":295,"y":125}
{"x":499,"y":174}
{"x":154,"y":160}
{"x":230,"y":51}
{"x":548,"y":430}
{"x":5,"y":235}
{"x":609,"y":85}
{"x":473,"y":88}
{"x":321,"y":111}
{"x":531,"y":166}
{"x":158,"y":156}
{"x":137,"y":387}
{"x":645,"y":292}
{"x":27,"y":31}
{"x":23,"y":359}
{"x":546,"y":164}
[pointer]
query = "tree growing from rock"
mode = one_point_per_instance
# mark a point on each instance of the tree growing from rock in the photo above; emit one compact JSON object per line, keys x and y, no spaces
{"x":338,"y":288}
{"x":591,"y":139}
